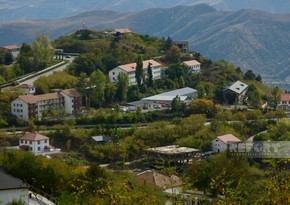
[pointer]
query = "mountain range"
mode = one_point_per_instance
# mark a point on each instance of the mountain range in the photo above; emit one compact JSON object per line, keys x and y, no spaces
{"x":55,"y":9}
{"x":250,"y":39}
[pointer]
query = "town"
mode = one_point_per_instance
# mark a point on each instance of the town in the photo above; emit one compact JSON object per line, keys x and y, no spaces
{"x":116,"y":117}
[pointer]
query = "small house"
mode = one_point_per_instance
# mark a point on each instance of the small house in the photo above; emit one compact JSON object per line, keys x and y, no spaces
{"x":220,"y":144}
{"x":34,"y":142}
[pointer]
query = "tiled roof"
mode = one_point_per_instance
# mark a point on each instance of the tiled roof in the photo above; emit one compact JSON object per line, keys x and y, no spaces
{"x":31,"y":99}
{"x":33,"y":136}
{"x":132,"y":66}
{"x":123,"y":30}
{"x":10,"y":182}
{"x":228,"y":138}
{"x":237,"y":87}
{"x":26,"y":86}
{"x":191,"y":63}
{"x":11,"y":47}
{"x":285,"y":97}
{"x":71,"y":93}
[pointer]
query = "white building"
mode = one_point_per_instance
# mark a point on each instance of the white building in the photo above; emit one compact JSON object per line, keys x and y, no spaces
{"x":220,"y":144}
{"x":237,"y":89}
{"x":12,"y":188}
{"x":193,"y":65}
{"x":34,"y":142}
{"x":14,"y":50}
{"x":186,"y":95}
{"x":284,"y":102}
{"x":27,"y":89}
{"x":28,"y":106}
{"x":130,"y":69}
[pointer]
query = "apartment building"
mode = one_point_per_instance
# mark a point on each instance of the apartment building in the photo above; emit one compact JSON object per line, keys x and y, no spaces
{"x":130,"y":69}
{"x":30,"y":106}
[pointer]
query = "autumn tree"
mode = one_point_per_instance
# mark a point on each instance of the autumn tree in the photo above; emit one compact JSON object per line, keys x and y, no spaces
{"x":173,"y":55}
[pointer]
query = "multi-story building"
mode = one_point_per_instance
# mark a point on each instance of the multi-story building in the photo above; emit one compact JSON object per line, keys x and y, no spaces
{"x":130,"y":69}
{"x":27,"y":89}
{"x":193,"y":65}
{"x":14,"y":50}
{"x":29,"y":106}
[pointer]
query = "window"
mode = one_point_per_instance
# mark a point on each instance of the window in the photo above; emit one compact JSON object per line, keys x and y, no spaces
{"x":38,"y":148}
{"x":21,"y":141}
{"x":30,"y":142}
{"x":113,"y":73}
{"x":30,"y":148}
{"x":45,"y":141}
{"x":25,"y":141}
{"x":38,"y":142}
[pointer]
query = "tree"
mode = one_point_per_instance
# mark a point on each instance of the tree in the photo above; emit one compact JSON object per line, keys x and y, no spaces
{"x":275,"y":97}
{"x":150,"y":75}
{"x":250,"y":75}
{"x":122,"y":87}
{"x":139,"y":71}
{"x":173,"y":55}
{"x":259,"y":78}
{"x":177,"y":105}
{"x":42,"y":51}
{"x":25,"y":58}
{"x":98,"y":82}
{"x":8,"y":58}
{"x":168,"y":44}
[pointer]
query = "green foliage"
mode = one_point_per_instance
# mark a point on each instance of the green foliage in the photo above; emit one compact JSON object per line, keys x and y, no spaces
{"x":58,"y":80}
{"x":139,"y":75}
{"x":122,"y":87}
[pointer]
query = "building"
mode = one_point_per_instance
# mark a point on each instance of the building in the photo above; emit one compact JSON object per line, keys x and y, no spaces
{"x":27,"y":89}
{"x":100,"y":139}
{"x":12,"y":188}
{"x":193,"y":65}
{"x":29,"y":106}
{"x":236,"y":91}
{"x":186,"y":95}
{"x":122,"y":31}
{"x":130,"y":69}
{"x":34,"y":142}
{"x":284,"y":102}
{"x":182,"y":45}
{"x":220,"y":144}
{"x":172,"y":153}
{"x":14,"y":50}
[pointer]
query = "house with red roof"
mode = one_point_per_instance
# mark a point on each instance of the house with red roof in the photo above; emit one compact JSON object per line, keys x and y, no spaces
{"x":220,"y":144}
{"x":34,"y":142}
{"x":129,"y":69}
{"x":14,"y":50}
{"x":193,"y":65}
{"x":284,"y":102}
{"x":27,"y":89}
{"x":30,"y":106}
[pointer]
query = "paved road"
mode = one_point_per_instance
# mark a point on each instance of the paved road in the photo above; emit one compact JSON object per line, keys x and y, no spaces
{"x":60,"y":68}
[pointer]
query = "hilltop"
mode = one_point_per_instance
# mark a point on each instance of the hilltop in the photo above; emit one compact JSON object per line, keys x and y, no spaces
{"x":250,"y":39}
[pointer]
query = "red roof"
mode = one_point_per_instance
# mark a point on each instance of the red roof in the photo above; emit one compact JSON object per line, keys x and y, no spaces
{"x":26,"y":86}
{"x":71,"y":93}
{"x":33,"y":136}
{"x":11,"y":47}
{"x":285,"y":97}
{"x":31,"y":99}
{"x":132,"y":66}
{"x":191,"y":63}
{"x":228,"y":138}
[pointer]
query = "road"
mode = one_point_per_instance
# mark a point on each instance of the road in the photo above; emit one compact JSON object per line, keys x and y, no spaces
{"x":60,"y":68}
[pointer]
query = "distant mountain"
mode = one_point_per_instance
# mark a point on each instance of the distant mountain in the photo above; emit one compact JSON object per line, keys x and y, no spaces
{"x":250,"y":39}
{"x":55,"y":9}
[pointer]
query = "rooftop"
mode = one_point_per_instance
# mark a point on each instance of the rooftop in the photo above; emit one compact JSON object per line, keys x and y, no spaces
{"x":172,"y":149}
{"x":11,"y":47}
{"x":33,"y":136}
{"x":123,"y":30}
{"x":26,"y":86}
{"x":71,"y":93}
{"x":31,"y":99}
{"x":237,"y":87}
{"x":191,"y":63}
{"x":10,"y":182}
{"x":132,"y":66}
{"x":228,"y":138}
{"x":285,"y":97}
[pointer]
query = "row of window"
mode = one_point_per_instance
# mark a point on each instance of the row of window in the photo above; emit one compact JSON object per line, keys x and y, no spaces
{"x":30,"y":142}
{"x":17,"y":105}
{"x":38,"y":148}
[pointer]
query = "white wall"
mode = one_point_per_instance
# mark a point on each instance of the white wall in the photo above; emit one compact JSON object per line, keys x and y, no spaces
{"x":7,"y":196}
{"x":113,"y":74}
{"x":218,"y":145}
{"x":19,"y":108}
{"x":68,"y":103}
{"x":34,"y":145}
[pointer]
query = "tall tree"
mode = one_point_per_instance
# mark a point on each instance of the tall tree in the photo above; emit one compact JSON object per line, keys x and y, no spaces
{"x":42,"y":51}
{"x":122,"y":87}
{"x":98,"y":81}
{"x":276,"y":96}
{"x":173,"y":55}
{"x":139,"y":71}
{"x":25,"y":58}
{"x":150,"y":75}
